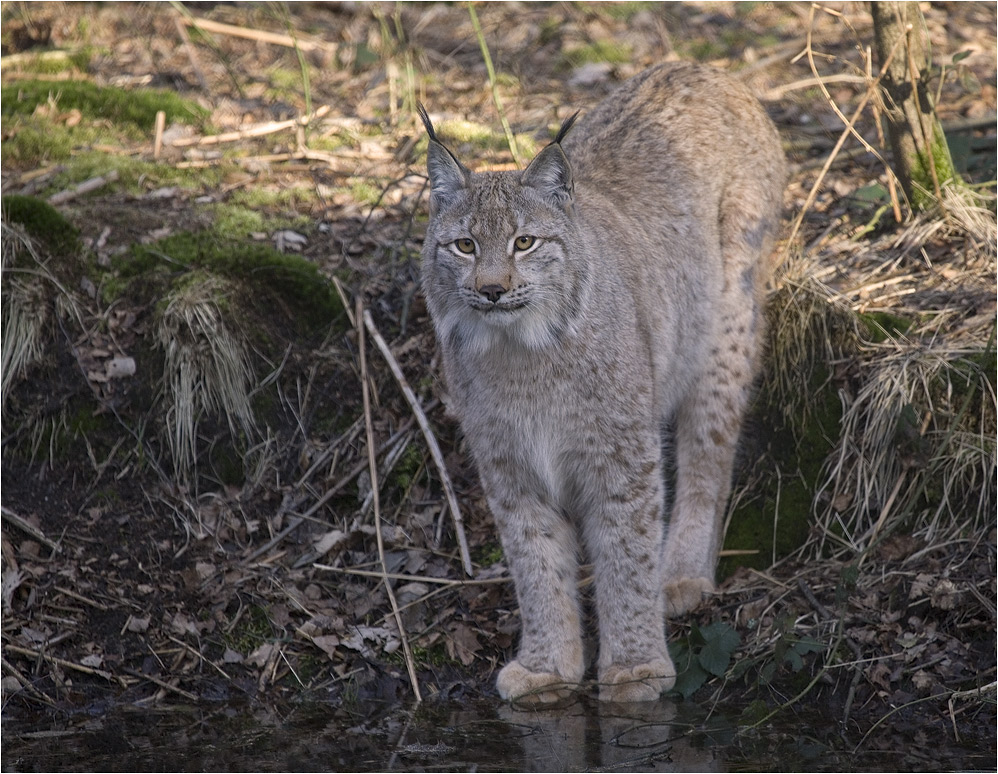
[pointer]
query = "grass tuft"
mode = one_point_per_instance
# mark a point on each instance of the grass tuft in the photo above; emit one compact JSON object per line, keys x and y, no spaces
{"x":207,"y":369}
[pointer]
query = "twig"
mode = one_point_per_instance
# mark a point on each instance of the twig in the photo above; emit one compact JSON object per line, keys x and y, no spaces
{"x":31,"y":529}
{"x":80,"y":598}
{"x":871,"y":91}
{"x":59,"y":661}
{"x":431,"y":440}
{"x":778,"y":92}
{"x":857,"y":674}
{"x":258,"y":130}
{"x":193,"y":652}
{"x":259,"y":35}
{"x":191,"y":51}
{"x":26,"y":684}
{"x":372,"y":463}
{"x":162,"y":684}
{"x":820,"y":81}
{"x":85,"y":187}
{"x":414,"y":578}
{"x":329,"y":494}
{"x":157,"y":143}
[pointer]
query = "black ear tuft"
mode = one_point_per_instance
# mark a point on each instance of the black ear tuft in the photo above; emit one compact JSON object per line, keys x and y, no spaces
{"x":566,"y":125}
{"x":425,"y":118}
{"x":448,"y":176}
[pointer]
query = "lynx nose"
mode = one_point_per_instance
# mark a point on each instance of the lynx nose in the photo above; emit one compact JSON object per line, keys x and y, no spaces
{"x":492,"y":292}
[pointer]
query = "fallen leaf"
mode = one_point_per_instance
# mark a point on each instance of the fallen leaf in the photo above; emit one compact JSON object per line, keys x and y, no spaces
{"x":138,"y":625}
{"x":120,"y":367}
{"x":232,"y":657}
{"x":327,"y":542}
{"x":327,"y":643}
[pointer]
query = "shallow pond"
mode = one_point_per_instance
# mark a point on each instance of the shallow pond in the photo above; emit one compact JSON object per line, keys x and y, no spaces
{"x":481,"y":736}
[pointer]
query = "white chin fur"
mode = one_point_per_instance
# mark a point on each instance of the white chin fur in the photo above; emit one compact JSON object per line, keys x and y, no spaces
{"x":483,"y":331}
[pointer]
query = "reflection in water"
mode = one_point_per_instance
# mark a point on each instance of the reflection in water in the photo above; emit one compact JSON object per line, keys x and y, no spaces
{"x":486,"y":735}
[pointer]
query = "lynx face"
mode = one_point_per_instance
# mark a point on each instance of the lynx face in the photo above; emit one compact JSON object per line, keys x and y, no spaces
{"x":499,"y":251}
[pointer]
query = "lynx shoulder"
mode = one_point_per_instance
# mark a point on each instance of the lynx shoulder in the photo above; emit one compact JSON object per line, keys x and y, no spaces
{"x":612,"y":287}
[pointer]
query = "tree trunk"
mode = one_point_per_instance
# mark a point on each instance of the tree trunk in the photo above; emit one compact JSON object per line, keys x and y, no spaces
{"x":922,"y":159}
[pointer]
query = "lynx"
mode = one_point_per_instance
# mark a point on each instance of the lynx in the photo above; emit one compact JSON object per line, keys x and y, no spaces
{"x":612,"y":288}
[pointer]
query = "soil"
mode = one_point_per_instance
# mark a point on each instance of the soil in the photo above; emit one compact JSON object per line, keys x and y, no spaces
{"x":121,"y":587}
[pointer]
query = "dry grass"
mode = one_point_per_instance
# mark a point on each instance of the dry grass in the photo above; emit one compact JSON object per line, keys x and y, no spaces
{"x":916,"y":449}
{"x":207,"y":370}
{"x":25,"y":311}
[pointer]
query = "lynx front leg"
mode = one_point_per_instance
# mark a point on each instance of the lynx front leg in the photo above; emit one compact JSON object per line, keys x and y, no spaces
{"x":541,"y":548}
{"x":624,"y":535}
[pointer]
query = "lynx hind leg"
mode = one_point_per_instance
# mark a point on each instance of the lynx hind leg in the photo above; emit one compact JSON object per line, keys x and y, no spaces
{"x":708,"y":426}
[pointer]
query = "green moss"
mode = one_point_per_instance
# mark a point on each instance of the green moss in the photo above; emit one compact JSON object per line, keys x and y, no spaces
{"x":106,"y":103}
{"x":252,"y":630}
{"x":599,"y":51}
{"x":777,"y":519}
{"x":488,"y":554}
{"x":286,"y":285}
{"x":625,"y":10}
{"x":42,"y":222}
{"x":880,"y":326}
{"x":36,"y":142}
{"x":408,"y":466}
{"x":227,"y":464}
{"x":236,"y":222}
{"x":704,"y":50}
{"x":365,"y":193}
{"x":922,"y":180}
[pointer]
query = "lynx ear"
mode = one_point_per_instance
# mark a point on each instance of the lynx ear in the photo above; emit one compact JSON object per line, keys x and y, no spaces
{"x":550,"y":172}
{"x":448,"y":176}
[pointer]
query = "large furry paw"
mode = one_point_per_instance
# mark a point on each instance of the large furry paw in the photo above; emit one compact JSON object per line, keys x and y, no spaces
{"x":683,"y":595}
{"x":644,"y":682}
{"x":518,"y":684}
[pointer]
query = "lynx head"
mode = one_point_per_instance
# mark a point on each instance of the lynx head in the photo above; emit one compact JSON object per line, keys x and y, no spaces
{"x":497,"y":259}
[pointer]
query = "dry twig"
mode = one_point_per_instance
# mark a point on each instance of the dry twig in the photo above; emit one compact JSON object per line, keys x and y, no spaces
{"x":261,"y":36}
{"x":257,"y":130}
{"x":431,"y":440}
{"x":373,"y":467}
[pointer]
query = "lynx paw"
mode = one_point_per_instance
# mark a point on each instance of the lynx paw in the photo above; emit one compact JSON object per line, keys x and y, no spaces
{"x":518,"y":684}
{"x":685,"y":594}
{"x":644,"y":682}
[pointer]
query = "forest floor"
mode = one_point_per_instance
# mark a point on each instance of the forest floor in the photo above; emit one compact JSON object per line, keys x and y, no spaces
{"x":255,"y":570}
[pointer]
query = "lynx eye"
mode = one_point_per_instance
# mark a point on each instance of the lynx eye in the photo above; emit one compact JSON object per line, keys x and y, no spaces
{"x":524,"y":242}
{"x":465,"y":245}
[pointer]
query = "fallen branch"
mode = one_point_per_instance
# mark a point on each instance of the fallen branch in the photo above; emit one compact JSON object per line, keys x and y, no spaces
{"x":414,"y":578}
{"x":431,"y":441}
{"x":83,"y":188}
{"x":163,"y":684}
{"x":259,"y":35}
{"x":59,"y":661}
{"x":373,"y":467}
{"x":31,"y":529}
{"x":257,"y":130}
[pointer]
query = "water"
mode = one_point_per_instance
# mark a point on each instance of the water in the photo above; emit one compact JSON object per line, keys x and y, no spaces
{"x":466,"y":736}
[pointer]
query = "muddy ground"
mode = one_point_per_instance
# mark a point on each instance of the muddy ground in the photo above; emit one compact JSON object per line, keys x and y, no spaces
{"x":123,"y":584}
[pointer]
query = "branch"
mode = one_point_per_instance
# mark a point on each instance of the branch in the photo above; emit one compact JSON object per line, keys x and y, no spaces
{"x":431,"y":440}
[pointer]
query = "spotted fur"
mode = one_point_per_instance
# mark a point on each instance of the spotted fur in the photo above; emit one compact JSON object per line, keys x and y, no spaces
{"x":637,"y":301}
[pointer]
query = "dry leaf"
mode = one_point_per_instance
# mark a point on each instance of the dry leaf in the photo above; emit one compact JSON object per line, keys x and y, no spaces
{"x":137,"y":625}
